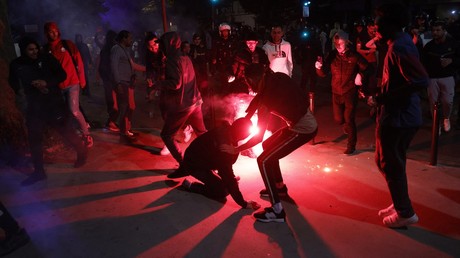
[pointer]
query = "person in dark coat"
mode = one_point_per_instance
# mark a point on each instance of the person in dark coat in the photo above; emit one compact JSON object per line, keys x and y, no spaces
{"x":39,"y":75}
{"x":203,"y":156}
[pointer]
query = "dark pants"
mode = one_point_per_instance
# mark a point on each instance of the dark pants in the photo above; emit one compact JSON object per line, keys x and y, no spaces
{"x":127,"y":105}
{"x":309,"y":77}
{"x":111,"y":101}
{"x":211,"y":184}
{"x":276,"y":147}
{"x":344,"y":108}
{"x":7,"y":222}
{"x":390,"y":156}
{"x":36,"y":124}
{"x":174,"y":121}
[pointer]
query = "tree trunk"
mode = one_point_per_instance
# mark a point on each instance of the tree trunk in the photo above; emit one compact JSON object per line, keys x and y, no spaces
{"x":12,"y":129}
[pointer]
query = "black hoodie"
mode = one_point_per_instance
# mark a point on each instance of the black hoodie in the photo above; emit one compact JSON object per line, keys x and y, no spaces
{"x":179,"y":90}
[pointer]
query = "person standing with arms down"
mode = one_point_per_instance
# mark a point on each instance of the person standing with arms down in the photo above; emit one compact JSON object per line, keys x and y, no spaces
{"x":68,"y":55}
{"x":441,"y":57}
{"x":279,"y":52}
{"x":399,"y":113}
{"x":180,"y":99}
{"x":124,"y":77}
{"x":280,"y":95}
{"x":38,"y":75}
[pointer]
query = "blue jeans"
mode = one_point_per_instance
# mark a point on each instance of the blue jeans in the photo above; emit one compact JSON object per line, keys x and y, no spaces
{"x":72,"y":96}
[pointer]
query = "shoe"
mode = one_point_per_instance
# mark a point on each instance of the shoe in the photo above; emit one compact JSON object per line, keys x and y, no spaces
{"x":127,"y":139}
{"x":164,"y":151}
{"x":132,"y":133}
{"x":269,"y":215}
{"x":349,"y":150}
{"x":387,"y":211}
{"x":81,"y":159}
{"x":188,"y":133}
{"x":14,"y":241}
{"x":447,"y":125}
{"x":186,"y":184}
{"x":33,"y":178}
{"x":396,"y":221}
{"x":111,"y":126}
{"x":344,"y":130}
{"x":283,"y":191}
{"x":88,"y":140}
{"x":180,"y":172}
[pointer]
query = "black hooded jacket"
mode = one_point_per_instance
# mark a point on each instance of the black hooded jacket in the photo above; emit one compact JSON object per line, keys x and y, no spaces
{"x":179,"y":90}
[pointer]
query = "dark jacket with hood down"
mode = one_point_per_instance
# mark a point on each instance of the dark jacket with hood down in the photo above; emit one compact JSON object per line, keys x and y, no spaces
{"x":179,"y":90}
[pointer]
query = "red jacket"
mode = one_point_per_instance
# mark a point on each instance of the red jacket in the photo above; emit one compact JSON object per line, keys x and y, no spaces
{"x":74,"y":75}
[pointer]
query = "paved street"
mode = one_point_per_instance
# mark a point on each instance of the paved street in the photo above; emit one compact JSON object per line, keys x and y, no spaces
{"x":120,"y":204}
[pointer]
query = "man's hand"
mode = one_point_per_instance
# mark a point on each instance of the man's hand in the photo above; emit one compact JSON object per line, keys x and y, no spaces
{"x":318,"y":65}
{"x":230,"y":149}
{"x":252,"y":205}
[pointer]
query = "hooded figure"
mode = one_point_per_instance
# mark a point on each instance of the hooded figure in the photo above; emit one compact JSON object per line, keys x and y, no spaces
{"x":180,"y":99}
{"x":179,"y":90}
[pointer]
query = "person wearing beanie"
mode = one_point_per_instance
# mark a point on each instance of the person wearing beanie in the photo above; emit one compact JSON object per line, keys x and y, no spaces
{"x":68,"y":55}
{"x":38,"y":76}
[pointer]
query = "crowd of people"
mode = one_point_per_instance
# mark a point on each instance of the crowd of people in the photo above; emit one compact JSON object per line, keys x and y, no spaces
{"x":377,"y":61}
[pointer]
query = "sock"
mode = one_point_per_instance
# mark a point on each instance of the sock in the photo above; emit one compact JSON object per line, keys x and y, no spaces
{"x":277,"y":207}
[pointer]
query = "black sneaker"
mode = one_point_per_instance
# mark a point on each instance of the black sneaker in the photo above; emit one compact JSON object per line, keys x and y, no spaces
{"x":180,"y":172}
{"x":127,"y":139}
{"x":269,"y":215}
{"x":13,"y":242}
{"x":33,"y":178}
{"x":81,"y":159}
{"x":349,"y":151}
{"x":281,"y":191}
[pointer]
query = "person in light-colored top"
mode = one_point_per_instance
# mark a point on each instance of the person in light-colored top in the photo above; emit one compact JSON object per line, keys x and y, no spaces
{"x":278,"y":51}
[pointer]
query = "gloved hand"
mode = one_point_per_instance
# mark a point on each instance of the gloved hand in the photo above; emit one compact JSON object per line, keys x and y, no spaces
{"x":318,"y":65}
{"x":252,"y":205}
{"x":358,"y":80}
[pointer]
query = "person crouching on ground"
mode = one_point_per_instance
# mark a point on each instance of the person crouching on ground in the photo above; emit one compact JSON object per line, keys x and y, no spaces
{"x":204,"y":155}
{"x":289,"y":103}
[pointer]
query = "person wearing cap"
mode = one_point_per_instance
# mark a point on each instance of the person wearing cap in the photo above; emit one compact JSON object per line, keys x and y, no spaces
{"x":213,"y":167}
{"x":68,"y":55}
{"x":348,"y":69}
{"x":278,"y":51}
{"x":38,"y":76}
{"x":259,"y":56}
{"x":180,"y":99}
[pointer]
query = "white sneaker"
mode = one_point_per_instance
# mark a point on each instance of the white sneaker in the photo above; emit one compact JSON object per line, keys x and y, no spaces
{"x":188,"y":133}
{"x":395,"y":221}
{"x":164,"y":151}
{"x":447,"y":124}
